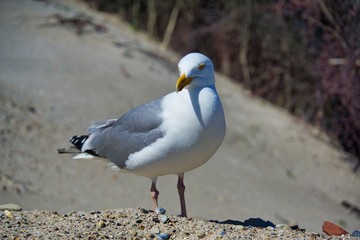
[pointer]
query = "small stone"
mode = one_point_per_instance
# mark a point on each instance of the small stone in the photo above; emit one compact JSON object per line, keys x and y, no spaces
{"x":239,"y":227}
{"x":31,"y":109}
{"x":296,"y":228}
{"x":9,"y":214}
{"x":281,"y":226}
{"x":163,"y":236}
{"x":150,"y":236}
{"x":356,"y":233}
{"x":155,"y":230}
{"x":132,"y":232}
{"x":160,"y":210}
{"x":164,"y":218}
{"x":71,"y":213}
{"x":201,"y":235}
{"x":314,"y":235}
{"x":10,"y":206}
{"x":143,"y":210}
{"x":138,"y":220}
{"x":332,"y":229}
{"x":101,"y":224}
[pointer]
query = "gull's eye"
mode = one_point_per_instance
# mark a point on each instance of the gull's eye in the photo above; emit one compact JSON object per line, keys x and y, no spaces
{"x":201,"y":66}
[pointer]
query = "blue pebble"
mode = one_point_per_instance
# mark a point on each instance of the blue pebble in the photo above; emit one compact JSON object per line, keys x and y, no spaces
{"x":222,"y":233}
{"x":160,"y":210}
{"x":163,"y":236}
{"x":356,"y":233}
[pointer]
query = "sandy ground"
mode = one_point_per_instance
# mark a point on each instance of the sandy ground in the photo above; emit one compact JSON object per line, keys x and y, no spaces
{"x":54,"y":83}
{"x":138,"y":224}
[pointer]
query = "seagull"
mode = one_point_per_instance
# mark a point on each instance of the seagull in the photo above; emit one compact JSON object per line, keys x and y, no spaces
{"x":170,"y":135}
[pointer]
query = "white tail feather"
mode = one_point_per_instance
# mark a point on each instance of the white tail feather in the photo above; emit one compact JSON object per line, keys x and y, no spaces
{"x":83,"y":156}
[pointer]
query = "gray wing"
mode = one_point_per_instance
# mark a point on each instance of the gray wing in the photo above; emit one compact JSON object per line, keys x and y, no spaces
{"x":99,"y":126}
{"x":117,"y":139}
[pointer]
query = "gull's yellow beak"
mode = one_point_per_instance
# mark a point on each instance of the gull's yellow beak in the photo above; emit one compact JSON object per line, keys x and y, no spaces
{"x":182,"y":82}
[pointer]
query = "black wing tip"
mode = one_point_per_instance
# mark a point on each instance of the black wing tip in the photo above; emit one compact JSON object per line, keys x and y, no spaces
{"x":79,"y":140}
{"x":92,"y":152}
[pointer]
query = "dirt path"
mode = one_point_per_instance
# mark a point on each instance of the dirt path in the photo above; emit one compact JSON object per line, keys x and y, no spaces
{"x":54,"y":83}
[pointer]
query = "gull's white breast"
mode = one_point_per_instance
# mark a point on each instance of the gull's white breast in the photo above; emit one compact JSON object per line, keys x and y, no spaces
{"x":193,"y":126}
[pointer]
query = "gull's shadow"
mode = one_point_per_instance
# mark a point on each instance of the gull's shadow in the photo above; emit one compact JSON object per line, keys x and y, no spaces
{"x":251,"y":222}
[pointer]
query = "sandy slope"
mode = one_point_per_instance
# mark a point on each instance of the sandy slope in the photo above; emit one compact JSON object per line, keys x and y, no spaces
{"x":54,"y":83}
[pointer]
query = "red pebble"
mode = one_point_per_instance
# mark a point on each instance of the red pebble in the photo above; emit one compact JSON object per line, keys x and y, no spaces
{"x":332,"y":229}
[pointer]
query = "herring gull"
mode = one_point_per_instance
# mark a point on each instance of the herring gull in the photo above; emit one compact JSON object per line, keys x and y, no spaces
{"x":170,"y":135}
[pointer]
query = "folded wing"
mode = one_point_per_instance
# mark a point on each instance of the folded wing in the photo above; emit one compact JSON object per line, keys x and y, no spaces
{"x":117,"y":139}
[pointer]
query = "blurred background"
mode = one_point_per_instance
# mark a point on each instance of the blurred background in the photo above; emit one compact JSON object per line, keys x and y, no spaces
{"x":288,"y":77}
{"x":303,"y":56}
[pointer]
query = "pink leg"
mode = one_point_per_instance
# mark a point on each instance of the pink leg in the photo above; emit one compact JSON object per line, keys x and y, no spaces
{"x":154,"y":193}
{"x":181,"y":190}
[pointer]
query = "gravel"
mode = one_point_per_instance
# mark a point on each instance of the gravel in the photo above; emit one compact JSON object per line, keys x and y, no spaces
{"x":133,"y":224}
